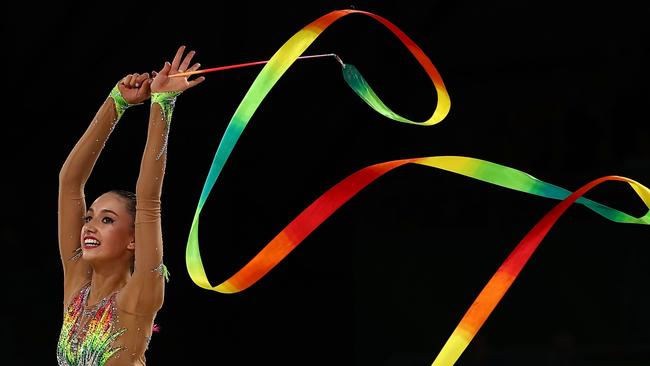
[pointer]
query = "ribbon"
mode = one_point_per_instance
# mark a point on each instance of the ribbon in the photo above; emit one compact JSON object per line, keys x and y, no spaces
{"x":268,"y":76}
{"x":323,"y":207}
{"x":493,"y":292}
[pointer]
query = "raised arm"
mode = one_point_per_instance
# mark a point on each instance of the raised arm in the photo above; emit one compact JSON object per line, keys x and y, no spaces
{"x":132,"y":89}
{"x":146,"y":287}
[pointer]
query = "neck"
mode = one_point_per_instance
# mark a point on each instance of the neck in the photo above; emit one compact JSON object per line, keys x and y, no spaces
{"x":106,"y":280}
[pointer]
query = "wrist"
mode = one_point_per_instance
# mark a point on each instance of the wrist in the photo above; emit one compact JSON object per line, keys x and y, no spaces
{"x":167,"y":101}
{"x":121,"y":104}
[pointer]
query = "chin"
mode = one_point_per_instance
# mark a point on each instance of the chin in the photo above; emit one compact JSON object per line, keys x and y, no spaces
{"x":90,"y":255}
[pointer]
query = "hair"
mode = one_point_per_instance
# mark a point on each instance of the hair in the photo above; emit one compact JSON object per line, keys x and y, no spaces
{"x":129,"y":198}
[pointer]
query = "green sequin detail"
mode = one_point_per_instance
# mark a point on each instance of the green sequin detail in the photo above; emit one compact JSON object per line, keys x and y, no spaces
{"x":167,"y":101}
{"x":120,"y":103}
{"x":163,"y":271}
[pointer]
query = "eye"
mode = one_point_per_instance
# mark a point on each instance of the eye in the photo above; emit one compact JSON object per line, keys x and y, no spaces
{"x":107,"y":220}
{"x":87,"y":218}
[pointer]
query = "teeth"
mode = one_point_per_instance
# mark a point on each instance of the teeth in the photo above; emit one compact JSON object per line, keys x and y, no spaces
{"x":91,"y":242}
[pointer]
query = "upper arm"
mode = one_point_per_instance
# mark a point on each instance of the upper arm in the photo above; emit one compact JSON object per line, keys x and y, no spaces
{"x":145,"y":289}
{"x":71,"y":208}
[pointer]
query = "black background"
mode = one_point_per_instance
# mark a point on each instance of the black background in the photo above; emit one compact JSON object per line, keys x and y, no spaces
{"x":559,"y":91}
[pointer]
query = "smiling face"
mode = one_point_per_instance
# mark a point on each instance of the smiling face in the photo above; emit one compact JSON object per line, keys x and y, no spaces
{"x":108,"y":231}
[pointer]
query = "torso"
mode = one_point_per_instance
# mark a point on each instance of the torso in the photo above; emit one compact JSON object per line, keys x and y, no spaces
{"x":102,"y":334}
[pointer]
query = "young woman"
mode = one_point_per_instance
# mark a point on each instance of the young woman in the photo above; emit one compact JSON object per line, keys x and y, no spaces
{"x":112,"y":252}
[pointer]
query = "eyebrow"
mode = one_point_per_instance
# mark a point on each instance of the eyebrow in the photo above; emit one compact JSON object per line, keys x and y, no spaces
{"x":104,"y":210}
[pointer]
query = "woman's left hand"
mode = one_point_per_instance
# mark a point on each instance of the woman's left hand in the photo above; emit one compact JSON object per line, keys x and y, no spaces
{"x":163,"y":83}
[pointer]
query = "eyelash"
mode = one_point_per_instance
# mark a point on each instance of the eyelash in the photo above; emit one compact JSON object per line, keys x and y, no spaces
{"x":88,"y":218}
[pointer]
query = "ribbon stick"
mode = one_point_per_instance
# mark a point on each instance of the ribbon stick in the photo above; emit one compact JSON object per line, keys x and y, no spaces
{"x":324,"y":206}
{"x":229,"y":67}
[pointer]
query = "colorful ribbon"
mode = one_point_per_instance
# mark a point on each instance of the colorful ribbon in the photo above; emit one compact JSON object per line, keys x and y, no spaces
{"x":261,"y":86}
{"x":493,"y":292}
{"x":316,"y":213}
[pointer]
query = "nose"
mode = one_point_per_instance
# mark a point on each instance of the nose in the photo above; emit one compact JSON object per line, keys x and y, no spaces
{"x":88,"y":228}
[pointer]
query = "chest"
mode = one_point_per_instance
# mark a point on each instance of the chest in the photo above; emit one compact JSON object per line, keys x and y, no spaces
{"x":88,"y":333}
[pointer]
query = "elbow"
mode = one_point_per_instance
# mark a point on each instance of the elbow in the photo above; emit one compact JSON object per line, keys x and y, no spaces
{"x":68,"y":177}
{"x":148,"y":190}
{"x":147,"y":195}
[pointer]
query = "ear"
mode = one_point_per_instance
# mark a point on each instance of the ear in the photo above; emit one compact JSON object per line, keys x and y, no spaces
{"x":131,"y":245}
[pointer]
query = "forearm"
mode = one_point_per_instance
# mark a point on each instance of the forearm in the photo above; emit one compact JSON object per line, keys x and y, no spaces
{"x":149,"y":250}
{"x":154,"y":158}
{"x":82,"y":158}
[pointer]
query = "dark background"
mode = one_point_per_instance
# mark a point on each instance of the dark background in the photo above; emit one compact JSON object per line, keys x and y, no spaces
{"x":559,"y":91}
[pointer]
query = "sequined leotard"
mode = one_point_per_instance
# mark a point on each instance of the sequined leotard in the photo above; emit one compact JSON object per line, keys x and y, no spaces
{"x":88,"y":333}
{"x":116,"y":330}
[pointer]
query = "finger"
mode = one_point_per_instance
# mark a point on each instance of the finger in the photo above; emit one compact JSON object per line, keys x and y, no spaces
{"x":186,"y":61}
{"x":154,"y":73}
{"x":142,"y":78}
{"x":127,"y":80}
{"x":194,"y":67}
{"x":166,"y":68}
{"x":177,"y":58}
{"x":134,"y":81}
{"x":196,"y":81}
{"x":146,"y":86}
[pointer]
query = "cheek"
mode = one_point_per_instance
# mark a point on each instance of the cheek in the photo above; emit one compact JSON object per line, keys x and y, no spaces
{"x":121,"y":233}
{"x":115,"y":236}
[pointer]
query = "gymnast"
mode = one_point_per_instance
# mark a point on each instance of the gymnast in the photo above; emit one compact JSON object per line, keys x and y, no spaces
{"x":114,"y":277}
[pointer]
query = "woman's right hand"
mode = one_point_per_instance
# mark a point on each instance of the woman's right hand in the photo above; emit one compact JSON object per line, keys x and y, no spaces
{"x":135,"y":88}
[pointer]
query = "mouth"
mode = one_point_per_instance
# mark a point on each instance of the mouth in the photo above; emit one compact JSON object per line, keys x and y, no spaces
{"x":91,"y":243}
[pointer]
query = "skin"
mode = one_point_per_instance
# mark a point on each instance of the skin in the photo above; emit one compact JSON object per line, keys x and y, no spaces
{"x":109,"y":221}
{"x":111,"y":264}
{"x":130,"y":251}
